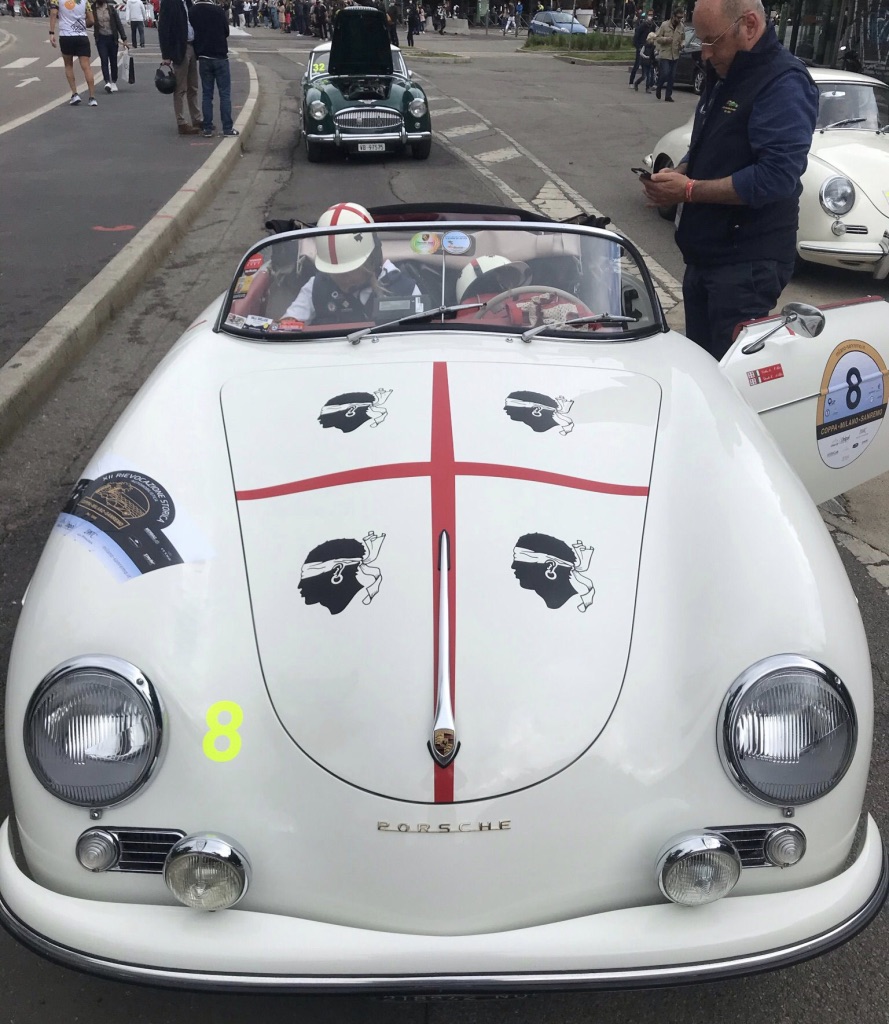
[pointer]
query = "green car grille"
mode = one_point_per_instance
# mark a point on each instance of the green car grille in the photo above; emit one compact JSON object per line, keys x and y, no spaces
{"x":371,"y":119}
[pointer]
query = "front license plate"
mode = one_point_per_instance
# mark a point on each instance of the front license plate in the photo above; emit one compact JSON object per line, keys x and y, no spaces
{"x":371,"y":147}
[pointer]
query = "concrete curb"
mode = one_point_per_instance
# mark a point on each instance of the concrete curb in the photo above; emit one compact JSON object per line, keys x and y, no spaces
{"x":30,"y":374}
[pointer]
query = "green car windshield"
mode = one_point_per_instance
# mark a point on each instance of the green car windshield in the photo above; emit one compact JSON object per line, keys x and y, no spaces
{"x":320,"y":60}
{"x":494,"y":277}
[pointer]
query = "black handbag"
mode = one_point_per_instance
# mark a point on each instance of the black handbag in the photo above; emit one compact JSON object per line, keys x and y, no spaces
{"x":131,"y":71}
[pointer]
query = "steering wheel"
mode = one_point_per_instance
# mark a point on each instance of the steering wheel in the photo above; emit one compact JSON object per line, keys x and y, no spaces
{"x":532,"y":289}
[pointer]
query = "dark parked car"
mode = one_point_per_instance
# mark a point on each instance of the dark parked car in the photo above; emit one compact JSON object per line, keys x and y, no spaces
{"x":550,"y":23}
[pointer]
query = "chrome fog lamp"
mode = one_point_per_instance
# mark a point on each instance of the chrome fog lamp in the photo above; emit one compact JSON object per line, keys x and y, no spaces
{"x":98,"y":850}
{"x":206,"y":872}
{"x":837,"y":195}
{"x":698,"y":868}
{"x":788,"y":730}
{"x":317,"y":110}
{"x":785,"y":846}
{"x":838,"y":228}
{"x":92,"y":731}
{"x":417,"y":108}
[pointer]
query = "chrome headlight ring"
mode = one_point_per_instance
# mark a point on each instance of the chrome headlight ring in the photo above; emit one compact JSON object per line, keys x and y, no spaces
{"x":317,"y":110}
{"x":417,"y":107}
{"x":92,"y":716}
{"x":837,"y":195}
{"x":766,"y":731}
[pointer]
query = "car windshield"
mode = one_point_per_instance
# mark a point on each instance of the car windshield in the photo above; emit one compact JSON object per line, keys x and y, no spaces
{"x":506,"y":277}
{"x":864,"y":106}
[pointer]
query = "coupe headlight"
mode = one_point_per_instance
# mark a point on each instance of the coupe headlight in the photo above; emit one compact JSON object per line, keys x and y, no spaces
{"x":837,"y":196}
{"x":788,"y":730}
{"x":417,"y":108}
{"x":93,"y":731}
{"x":317,"y":110}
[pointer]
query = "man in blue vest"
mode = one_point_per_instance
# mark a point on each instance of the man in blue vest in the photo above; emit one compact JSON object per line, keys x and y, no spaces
{"x":740,"y":180}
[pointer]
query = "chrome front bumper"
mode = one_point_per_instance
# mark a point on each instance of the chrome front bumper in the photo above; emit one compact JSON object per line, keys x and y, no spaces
{"x":638,"y":947}
{"x":347,"y":139}
{"x":873,"y":254}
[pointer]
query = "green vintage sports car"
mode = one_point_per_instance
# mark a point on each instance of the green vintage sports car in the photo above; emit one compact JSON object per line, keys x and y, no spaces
{"x":358,"y":96}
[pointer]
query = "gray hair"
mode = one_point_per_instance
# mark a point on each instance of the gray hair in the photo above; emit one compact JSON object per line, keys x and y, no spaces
{"x":735,"y":9}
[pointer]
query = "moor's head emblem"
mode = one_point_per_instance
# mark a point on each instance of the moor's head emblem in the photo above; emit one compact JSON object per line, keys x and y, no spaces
{"x":539,"y":411}
{"x":349,"y":411}
{"x":335,"y":571}
{"x":554,"y":570}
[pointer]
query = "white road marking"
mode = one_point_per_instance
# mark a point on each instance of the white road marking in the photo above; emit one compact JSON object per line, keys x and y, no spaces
{"x":26,"y":81}
{"x":449,"y":110}
{"x":464,"y":129}
{"x":496,"y":156}
{"x":553,"y":203}
{"x":59,"y":62}
{"x":22,"y":62}
{"x":514,"y":198}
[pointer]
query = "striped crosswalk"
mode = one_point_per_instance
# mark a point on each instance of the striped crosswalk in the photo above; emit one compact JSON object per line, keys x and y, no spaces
{"x":25,"y":62}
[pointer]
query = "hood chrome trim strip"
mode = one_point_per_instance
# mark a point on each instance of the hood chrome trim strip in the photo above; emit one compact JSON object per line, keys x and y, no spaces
{"x":443,"y":745}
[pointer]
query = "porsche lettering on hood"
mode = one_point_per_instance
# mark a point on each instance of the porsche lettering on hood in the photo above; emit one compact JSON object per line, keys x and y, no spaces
{"x":442,"y":553}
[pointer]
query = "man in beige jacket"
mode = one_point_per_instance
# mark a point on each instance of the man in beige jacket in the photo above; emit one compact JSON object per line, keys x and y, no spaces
{"x":669,"y":43}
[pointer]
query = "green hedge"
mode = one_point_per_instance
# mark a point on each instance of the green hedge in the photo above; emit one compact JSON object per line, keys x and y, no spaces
{"x":590,"y":41}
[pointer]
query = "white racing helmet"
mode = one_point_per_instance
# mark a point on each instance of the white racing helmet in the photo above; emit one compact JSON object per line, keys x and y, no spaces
{"x":338,"y":254}
{"x":489,"y":275}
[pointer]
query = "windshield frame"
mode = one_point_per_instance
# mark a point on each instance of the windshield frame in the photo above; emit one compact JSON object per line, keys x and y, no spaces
{"x":332,"y":332}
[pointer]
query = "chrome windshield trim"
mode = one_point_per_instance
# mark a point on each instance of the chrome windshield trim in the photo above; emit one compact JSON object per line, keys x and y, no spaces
{"x":646,"y":977}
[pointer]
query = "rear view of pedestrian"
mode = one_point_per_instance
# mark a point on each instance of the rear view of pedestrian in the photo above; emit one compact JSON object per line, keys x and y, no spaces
{"x":72,"y":19}
{"x":108,"y":28}
{"x":211,"y":48}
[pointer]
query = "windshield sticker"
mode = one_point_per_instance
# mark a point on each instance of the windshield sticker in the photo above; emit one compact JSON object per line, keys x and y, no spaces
{"x":539,"y":411}
{"x":426,"y":243}
{"x":347,"y":412}
{"x":258,"y":321}
{"x":552,"y":569}
{"x":456,"y":243}
{"x":335,"y":571}
{"x":126,"y":519}
{"x":233,"y":320}
{"x":852,"y":402}
{"x":288,"y":323}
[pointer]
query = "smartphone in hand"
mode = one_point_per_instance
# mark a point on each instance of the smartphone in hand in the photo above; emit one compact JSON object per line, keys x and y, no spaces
{"x":643,"y":174}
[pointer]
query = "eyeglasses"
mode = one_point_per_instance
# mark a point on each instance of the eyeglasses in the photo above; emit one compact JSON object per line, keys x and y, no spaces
{"x":711,"y":44}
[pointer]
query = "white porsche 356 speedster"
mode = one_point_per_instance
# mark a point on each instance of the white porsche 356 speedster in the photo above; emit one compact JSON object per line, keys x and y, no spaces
{"x":454,"y":627}
{"x":844,"y":206}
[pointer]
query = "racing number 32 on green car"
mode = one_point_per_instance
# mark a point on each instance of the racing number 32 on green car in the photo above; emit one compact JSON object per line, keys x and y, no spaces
{"x":358,"y":96}
{"x":456,"y":628}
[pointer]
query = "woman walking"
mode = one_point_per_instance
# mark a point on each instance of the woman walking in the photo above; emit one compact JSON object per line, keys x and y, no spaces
{"x":107,"y":29}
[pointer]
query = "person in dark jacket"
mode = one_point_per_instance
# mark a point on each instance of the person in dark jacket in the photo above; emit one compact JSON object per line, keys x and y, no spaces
{"x":211,"y":48}
{"x":176,"y":38}
{"x":740,"y":181}
{"x":107,"y":29}
{"x":645,"y":26}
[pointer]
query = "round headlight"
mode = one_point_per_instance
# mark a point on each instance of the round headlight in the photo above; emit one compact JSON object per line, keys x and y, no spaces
{"x":93,"y":731}
{"x":317,"y":110}
{"x":837,"y":196}
{"x":698,"y":868}
{"x":417,"y":108}
{"x":206,"y":872}
{"x":788,"y":730}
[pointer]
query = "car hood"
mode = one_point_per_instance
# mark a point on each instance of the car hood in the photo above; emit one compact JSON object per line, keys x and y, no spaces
{"x":346,"y":480}
{"x":864,"y":160}
{"x":360,"y":44}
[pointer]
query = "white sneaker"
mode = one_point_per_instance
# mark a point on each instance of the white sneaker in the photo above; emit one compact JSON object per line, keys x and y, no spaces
{"x":93,"y":102}
{"x":75,"y":99}
{"x":107,"y":87}
{"x":113,"y":87}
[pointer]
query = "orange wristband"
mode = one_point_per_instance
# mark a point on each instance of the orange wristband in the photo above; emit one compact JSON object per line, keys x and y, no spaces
{"x":689,"y":185}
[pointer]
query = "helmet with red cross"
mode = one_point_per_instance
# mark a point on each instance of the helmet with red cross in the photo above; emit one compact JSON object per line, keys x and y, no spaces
{"x":342,"y":253}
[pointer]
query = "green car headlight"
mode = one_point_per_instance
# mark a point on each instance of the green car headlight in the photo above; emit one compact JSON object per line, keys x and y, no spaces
{"x":317,"y":110}
{"x":93,"y":730}
{"x":417,"y":108}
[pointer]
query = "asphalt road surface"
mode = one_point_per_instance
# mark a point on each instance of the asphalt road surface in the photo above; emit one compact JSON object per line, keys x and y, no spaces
{"x":575,"y":132}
